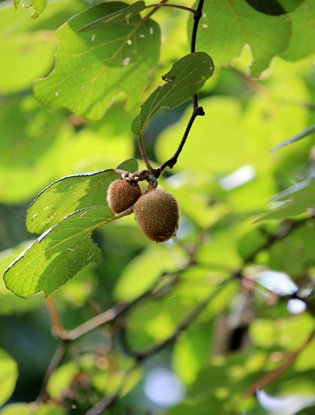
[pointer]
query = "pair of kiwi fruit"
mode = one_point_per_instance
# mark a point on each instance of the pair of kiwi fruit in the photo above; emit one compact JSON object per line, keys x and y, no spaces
{"x":156,"y":211}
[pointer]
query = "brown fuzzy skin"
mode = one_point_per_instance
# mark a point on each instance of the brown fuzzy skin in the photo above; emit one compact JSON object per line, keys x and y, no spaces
{"x":156,"y":212}
{"x":122,"y":194}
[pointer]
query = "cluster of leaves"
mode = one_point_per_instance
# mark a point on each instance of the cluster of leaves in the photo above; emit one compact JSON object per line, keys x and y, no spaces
{"x":261,"y":93}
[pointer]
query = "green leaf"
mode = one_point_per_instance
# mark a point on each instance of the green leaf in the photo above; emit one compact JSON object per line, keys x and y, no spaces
{"x":66,"y":195}
{"x":91,"y":68}
{"x":302,"y":39}
{"x":70,"y":193}
{"x":32,"y":409}
{"x":225,"y":27}
{"x":186,"y":77}
{"x":37,"y":6}
{"x":58,"y":254}
{"x":8,"y":376}
{"x":119,"y":16}
{"x":10,"y":303}
{"x":28,"y":56}
{"x":296,"y":200}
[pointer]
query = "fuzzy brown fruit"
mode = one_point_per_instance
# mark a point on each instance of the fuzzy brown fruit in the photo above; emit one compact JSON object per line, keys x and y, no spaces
{"x":156,"y":212}
{"x":122,"y":194}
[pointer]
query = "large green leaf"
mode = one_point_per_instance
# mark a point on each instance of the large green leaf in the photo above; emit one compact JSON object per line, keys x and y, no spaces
{"x":91,"y":68}
{"x":58,"y":254}
{"x":119,"y":16}
{"x":27,"y":56}
{"x":32,"y":409}
{"x":10,"y":303}
{"x":226,"y":26}
{"x":69,"y":194}
{"x":302,"y":39}
{"x":37,"y":6}
{"x":296,"y":200}
{"x":186,"y":77}
{"x":8,"y":376}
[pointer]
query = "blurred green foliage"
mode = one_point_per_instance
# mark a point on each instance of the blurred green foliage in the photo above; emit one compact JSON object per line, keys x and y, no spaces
{"x":244,"y":211}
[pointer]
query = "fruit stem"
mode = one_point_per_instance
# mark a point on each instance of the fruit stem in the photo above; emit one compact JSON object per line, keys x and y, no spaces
{"x":143,"y":153}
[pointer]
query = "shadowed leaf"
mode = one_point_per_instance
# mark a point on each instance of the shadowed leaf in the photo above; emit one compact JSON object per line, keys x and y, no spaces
{"x":91,"y":68}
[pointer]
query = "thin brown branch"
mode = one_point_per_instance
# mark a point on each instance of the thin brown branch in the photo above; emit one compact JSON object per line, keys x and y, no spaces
{"x":108,"y":401}
{"x":143,"y":153}
{"x":291,"y":358}
{"x":155,"y":9}
{"x":286,"y":228}
{"x":141,"y":357}
{"x":56,"y":326}
{"x":54,"y":363}
{"x":173,"y":160}
{"x":182,"y":326}
{"x":113,"y":313}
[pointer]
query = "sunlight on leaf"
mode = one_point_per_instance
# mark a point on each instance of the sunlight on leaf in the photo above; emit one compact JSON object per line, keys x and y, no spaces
{"x":69,"y":194}
{"x":8,"y":376}
{"x":37,"y":6}
{"x":227,"y":26}
{"x":91,"y":68}
{"x":58,"y":254}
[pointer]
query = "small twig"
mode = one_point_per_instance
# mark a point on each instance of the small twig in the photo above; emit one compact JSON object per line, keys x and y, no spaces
{"x":197,"y":110}
{"x":197,"y":17}
{"x":174,"y":6}
{"x":56,"y":326}
{"x":286,"y":228}
{"x":109,"y":400}
{"x":182,"y":326}
{"x":155,"y":9}
{"x":173,"y":160}
{"x":110,"y":314}
{"x":54,"y":363}
{"x":143,"y":153}
{"x":143,"y":356}
{"x":291,"y":358}
{"x":295,"y":138}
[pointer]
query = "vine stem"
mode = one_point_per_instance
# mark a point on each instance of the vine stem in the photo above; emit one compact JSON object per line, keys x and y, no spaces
{"x":290,"y":359}
{"x":54,"y":363}
{"x":143,"y":153}
{"x":197,"y":110}
{"x":141,"y":357}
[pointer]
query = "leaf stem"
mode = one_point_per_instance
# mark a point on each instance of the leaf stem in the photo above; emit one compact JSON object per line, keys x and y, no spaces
{"x":174,"y":6}
{"x":54,"y":363}
{"x":290,"y":359}
{"x":173,"y":160}
{"x":143,"y":153}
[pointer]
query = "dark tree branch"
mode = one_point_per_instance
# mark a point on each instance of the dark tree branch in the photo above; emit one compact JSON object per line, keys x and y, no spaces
{"x":54,"y":363}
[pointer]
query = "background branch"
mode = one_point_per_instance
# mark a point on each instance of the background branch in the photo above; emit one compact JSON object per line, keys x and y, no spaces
{"x":295,"y":138}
